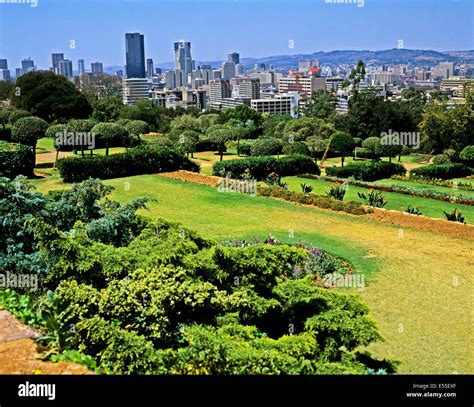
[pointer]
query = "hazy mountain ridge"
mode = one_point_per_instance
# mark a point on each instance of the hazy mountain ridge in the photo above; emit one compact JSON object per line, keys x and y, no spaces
{"x":390,"y":56}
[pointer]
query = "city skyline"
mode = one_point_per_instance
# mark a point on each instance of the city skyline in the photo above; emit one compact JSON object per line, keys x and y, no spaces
{"x":262,"y":35}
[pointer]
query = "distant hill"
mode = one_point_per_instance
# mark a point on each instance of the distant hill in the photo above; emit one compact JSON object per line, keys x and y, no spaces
{"x":390,"y":56}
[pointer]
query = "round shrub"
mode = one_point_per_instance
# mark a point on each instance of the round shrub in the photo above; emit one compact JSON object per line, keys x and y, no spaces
{"x":467,"y":154}
{"x":28,"y":130}
{"x":266,"y":146}
{"x":18,"y":114}
{"x":441,"y":159}
{"x":297,"y":148}
{"x":137,"y":128}
{"x":110,"y":135}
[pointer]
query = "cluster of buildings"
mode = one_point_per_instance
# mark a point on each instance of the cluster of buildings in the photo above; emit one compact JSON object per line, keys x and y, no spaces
{"x":263,"y":88}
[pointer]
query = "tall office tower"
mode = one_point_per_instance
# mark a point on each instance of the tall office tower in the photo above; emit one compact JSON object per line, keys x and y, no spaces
{"x":56,"y":58}
{"x":4,"y":74}
{"x":234,"y":58}
{"x":81,"y":66}
{"x":158,"y":71}
{"x":170,"y":79}
{"x":240,"y":69}
{"x":219,"y":89}
{"x":181,"y":78}
{"x":183,"y":59}
{"x":246,"y":87}
{"x":205,"y":73}
{"x":228,"y":70}
{"x":65,"y":68}
{"x":216,"y":74}
{"x":18,"y":72}
{"x":27,"y":65}
{"x":135,"y":55}
{"x":97,"y":68}
{"x":134,"y":89}
{"x":149,"y":68}
{"x":3,"y":64}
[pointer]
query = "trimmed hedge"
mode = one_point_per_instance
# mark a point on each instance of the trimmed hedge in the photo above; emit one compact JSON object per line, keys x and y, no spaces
{"x":261,"y":167}
{"x":367,"y":171}
{"x":16,"y":160}
{"x":442,"y":171}
{"x":320,"y":201}
{"x":141,"y":160}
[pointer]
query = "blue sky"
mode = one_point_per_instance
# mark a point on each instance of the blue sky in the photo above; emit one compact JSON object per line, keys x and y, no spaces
{"x":255,"y":28}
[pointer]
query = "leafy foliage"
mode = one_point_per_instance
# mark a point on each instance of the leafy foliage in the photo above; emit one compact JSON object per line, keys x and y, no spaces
{"x":51,"y":97}
{"x":146,"y":159}
{"x":261,"y":167}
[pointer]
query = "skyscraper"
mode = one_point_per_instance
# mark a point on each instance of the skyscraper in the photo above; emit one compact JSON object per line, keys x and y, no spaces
{"x":135,"y":55}
{"x":183,"y":59}
{"x":234,"y":57}
{"x":65,"y":68}
{"x":56,"y":58}
{"x":27,"y":65}
{"x":81,"y":66}
{"x":228,"y":70}
{"x":149,"y":68}
{"x":97,"y":68}
{"x":3,"y":64}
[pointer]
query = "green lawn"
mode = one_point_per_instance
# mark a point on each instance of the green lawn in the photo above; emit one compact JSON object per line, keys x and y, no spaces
{"x":422,"y":314}
{"x":430,"y":207}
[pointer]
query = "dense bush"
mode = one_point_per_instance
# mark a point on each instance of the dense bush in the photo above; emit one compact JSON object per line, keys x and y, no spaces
{"x":320,"y":201}
{"x":140,"y":160}
{"x":367,"y":171}
{"x":296,"y":148}
{"x":207,"y":145}
{"x":16,"y":160}
{"x":467,"y":154}
{"x":166,"y":301}
{"x":441,"y":159}
{"x":360,"y":152}
{"x":245,"y":147}
{"x":266,"y":146}
{"x":261,"y":167}
{"x":442,"y":171}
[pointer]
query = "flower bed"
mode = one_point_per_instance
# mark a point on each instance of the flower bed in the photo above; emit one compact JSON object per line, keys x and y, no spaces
{"x":400,"y":189}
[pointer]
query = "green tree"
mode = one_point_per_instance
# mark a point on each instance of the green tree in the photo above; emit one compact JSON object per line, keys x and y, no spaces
{"x":108,"y":133}
{"x":321,"y":105}
{"x":28,"y":131}
{"x":343,"y":144}
{"x":51,"y":97}
{"x":372,"y":144}
{"x":6,"y":90}
{"x":4,"y":117}
{"x":220,"y":135}
{"x":136,"y":128}
{"x":107,"y":109}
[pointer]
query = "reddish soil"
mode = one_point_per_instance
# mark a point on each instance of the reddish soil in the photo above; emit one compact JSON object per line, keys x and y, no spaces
{"x":19,"y":353}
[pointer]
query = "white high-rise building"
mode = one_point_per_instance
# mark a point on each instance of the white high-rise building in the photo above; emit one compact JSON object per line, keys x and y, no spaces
{"x":134,"y":89}
{"x":183,"y":59}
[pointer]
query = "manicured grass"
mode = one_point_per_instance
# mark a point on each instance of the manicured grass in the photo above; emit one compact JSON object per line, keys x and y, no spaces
{"x":418,"y":185}
{"x":430,"y":207}
{"x":419,"y":286}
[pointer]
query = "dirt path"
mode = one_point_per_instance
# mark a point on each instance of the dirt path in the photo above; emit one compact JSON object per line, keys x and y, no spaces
{"x":19,"y":353}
